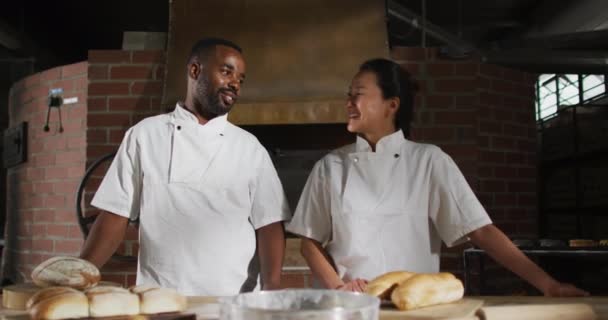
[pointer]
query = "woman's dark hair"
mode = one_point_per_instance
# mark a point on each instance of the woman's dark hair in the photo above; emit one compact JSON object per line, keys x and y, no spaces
{"x":394,"y":81}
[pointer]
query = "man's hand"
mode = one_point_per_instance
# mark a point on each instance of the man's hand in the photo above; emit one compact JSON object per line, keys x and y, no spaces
{"x":558,"y":289}
{"x":357,"y":285}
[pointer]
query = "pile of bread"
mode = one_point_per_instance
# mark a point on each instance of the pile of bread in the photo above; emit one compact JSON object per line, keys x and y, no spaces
{"x":408,"y":290}
{"x":71,"y":289}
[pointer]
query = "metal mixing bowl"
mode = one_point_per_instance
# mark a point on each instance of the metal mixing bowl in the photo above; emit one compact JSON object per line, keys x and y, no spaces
{"x":299,"y":304}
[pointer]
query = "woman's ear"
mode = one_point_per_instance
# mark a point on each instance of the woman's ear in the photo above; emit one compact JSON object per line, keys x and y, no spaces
{"x":394,"y":104}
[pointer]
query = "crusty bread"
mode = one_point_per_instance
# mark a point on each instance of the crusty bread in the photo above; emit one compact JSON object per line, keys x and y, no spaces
{"x":62,"y":306}
{"x":158,"y":300}
{"x":427,"y":289}
{"x":383,"y":285}
{"x":107,"y":301}
{"x":582,"y":243}
{"x":46,"y":293}
{"x":66,"y":271}
{"x":141,"y":288}
{"x":16,"y":296}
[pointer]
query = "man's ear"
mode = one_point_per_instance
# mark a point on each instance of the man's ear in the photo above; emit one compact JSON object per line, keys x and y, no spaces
{"x":194,"y":70}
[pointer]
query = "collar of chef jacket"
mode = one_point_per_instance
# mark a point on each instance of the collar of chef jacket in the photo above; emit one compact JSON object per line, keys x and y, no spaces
{"x":387,"y":144}
{"x":215,"y":126}
{"x":193,"y":152}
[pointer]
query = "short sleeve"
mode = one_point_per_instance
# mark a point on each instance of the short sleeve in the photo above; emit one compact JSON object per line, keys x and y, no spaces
{"x":269,"y":200}
{"x":312,"y":218}
{"x":454,"y":210}
{"x":119,"y":192}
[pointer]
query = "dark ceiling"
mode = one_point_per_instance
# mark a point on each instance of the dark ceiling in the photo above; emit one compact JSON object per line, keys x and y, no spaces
{"x":529,"y":34}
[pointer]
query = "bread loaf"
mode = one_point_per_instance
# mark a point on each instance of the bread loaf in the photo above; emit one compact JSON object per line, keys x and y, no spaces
{"x":66,"y":271}
{"x":582,"y":243}
{"x":46,"y":293}
{"x":62,"y":306}
{"x":427,"y":289}
{"x":16,"y":296}
{"x":107,"y":301}
{"x":159,"y":300}
{"x":383,"y":285}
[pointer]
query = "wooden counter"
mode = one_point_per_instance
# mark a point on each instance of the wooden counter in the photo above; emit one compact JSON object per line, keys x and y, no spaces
{"x":207,"y":307}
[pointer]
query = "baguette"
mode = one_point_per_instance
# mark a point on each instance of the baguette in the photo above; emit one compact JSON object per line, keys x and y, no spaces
{"x":382,"y":286}
{"x":428,"y":289}
{"x":66,"y":271}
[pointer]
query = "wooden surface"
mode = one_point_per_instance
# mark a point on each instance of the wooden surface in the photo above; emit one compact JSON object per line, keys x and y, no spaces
{"x":518,"y":308}
{"x":465,"y":308}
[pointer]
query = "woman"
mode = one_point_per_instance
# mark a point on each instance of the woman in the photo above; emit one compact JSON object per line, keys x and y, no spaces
{"x":385,"y":203}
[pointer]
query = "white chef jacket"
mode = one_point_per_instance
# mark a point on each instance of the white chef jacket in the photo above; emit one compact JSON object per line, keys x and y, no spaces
{"x":200,"y":192}
{"x":387,"y":210}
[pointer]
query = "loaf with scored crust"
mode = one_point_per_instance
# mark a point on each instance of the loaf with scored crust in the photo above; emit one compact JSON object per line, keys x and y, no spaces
{"x":427,"y":289}
{"x":66,"y":271}
{"x":383,"y":285}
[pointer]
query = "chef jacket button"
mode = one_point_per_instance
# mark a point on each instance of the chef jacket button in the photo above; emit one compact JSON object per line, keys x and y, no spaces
{"x":356,"y":159}
{"x":179,"y":127}
{"x":396,"y":155}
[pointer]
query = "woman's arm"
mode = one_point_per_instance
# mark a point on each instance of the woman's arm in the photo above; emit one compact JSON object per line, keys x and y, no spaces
{"x":496,"y":244}
{"x":319,"y":262}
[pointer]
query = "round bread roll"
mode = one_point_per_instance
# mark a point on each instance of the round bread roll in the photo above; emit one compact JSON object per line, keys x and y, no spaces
{"x":108,"y":301}
{"x":62,"y":306}
{"x":159,"y":300}
{"x":383,"y":285}
{"x":46,"y":293}
{"x":66,"y":271}
{"x":427,"y":289}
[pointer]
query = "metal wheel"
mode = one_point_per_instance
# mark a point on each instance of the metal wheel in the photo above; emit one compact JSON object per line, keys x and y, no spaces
{"x":85,"y":222}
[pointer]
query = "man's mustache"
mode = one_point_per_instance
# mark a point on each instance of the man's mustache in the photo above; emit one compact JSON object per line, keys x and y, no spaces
{"x":229,"y":90}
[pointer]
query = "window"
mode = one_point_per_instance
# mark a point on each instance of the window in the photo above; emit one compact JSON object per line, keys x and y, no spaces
{"x":555,"y":91}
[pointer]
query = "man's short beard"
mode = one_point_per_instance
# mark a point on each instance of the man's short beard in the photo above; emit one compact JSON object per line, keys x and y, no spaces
{"x":209,"y":102}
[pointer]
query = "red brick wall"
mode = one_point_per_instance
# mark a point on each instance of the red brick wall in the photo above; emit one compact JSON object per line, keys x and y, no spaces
{"x":483,"y":116}
{"x":124,"y":87}
{"x":40,"y":198}
{"x":507,"y":144}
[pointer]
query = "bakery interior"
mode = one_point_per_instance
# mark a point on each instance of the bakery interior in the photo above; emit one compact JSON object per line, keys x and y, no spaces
{"x":513,"y":90}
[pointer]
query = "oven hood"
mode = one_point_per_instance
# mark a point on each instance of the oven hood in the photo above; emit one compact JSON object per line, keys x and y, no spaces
{"x":300,"y":55}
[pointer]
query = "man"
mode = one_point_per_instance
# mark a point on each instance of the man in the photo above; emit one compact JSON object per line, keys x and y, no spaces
{"x":205,"y":190}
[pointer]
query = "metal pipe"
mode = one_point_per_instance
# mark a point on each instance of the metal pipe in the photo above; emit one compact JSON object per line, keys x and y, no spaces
{"x":424,"y":23}
{"x":400,"y":12}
